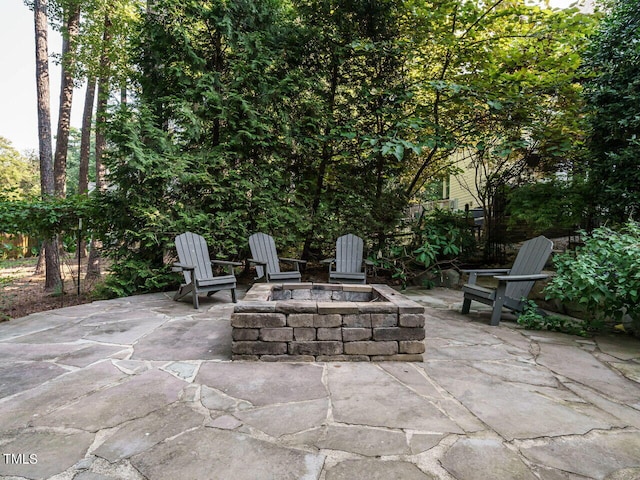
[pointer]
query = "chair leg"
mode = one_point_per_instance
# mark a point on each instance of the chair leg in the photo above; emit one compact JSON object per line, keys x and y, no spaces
{"x":178,"y":294}
{"x":233,"y":296}
{"x":466,"y":305}
{"x":196,"y":305}
{"x":496,"y":314}
{"x":182,"y":291}
{"x":186,"y":290}
{"x":498,"y":303}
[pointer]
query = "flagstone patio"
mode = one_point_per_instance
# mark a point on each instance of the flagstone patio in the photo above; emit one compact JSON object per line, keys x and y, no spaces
{"x":143,"y":388}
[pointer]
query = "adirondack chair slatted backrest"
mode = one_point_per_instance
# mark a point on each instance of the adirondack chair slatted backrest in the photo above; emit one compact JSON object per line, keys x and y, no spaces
{"x":349,"y":254}
{"x":263,"y":248}
{"x":192,"y":250}
{"x":530,"y":260}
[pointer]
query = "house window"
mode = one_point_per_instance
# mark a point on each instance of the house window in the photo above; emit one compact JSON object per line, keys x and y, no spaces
{"x":446,"y":188}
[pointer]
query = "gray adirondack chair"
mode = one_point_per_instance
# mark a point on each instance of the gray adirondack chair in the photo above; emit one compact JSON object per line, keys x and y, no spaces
{"x":265,"y":257}
{"x":514,"y":284}
{"x":195,"y":265}
{"x":348,"y":265}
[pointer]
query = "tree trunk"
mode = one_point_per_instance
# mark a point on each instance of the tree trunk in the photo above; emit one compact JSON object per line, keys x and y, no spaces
{"x":327,"y":155}
{"x":85,"y":149}
{"x":101,"y":111}
{"x":44,"y":109}
{"x":85,"y":141}
{"x":40,"y":265}
{"x":66,"y":99}
{"x":93,"y":266}
{"x":47,"y":184}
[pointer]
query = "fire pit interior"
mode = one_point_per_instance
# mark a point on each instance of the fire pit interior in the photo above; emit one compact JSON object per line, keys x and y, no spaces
{"x":327,"y":322}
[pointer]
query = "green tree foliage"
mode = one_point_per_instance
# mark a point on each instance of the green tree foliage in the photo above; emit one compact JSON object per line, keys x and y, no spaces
{"x":205,"y":142}
{"x":613,"y":95}
{"x":550,"y":204}
{"x":522,"y":100}
{"x":18,"y":174}
{"x":91,"y":28}
{"x":310,"y":118}
{"x":353,"y":155}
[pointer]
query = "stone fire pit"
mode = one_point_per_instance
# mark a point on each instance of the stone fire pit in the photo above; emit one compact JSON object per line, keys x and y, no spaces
{"x":327,"y":322}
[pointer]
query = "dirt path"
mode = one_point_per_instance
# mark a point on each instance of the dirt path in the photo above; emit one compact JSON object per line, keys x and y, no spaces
{"x":23,"y":292}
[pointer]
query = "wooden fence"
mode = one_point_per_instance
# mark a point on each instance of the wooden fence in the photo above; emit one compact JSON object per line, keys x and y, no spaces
{"x":17,"y":246}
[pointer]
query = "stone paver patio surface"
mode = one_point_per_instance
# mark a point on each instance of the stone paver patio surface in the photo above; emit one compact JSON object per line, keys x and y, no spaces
{"x":143,"y":388}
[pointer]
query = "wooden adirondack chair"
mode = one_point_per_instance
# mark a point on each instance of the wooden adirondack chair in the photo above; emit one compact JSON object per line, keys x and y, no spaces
{"x":348,"y":265}
{"x":514,"y":284}
{"x":265,"y":257}
{"x":195,"y":264}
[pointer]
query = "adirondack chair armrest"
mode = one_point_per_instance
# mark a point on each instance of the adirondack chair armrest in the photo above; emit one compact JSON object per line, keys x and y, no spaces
{"x":180,"y":267}
{"x":296,"y":262}
{"x":521,"y":278}
{"x":226,"y":263}
{"x":488,"y":272}
{"x":257,"y":262}
{"x":330,"y":262}
{"x":291,"y":260}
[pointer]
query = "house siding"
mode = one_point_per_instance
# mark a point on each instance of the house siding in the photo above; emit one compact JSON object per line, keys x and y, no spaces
{"x":458,"y":193}
{"x":461,"y":188}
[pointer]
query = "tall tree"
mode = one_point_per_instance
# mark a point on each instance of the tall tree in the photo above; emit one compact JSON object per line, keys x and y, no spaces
{"x":93,"y":267}
{"x":613,"y":95}
{"x":504,"y":97}
{"x":88,"y":55}
{"x":85,"y":142}
{"x":305,"y":118}
{"x":351,"y":156}
{"x":47,"y":183}
{"x":70,"y":31}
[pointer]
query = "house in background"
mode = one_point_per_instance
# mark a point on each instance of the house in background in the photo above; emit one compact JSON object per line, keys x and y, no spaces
{"x":458,"y":190}
{"x":458,"y":193}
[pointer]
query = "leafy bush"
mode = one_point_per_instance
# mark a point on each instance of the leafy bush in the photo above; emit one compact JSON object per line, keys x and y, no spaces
{"x":531,"y":319}
{"x":134,"y":277}
{"x":444,"y":235}
{"x":8,"y":250}
{"x":441,"y":237}
{"x":43,"y":218}
{"x":603,"y":276}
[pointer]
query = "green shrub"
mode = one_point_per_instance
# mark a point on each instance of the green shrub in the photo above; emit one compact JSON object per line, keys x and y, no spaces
{"x":440,"y":238}
{"x":603,"y":276}
{"x":531,"y":319}
{"x":443,"y":236}
{"x":131,"y":276}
